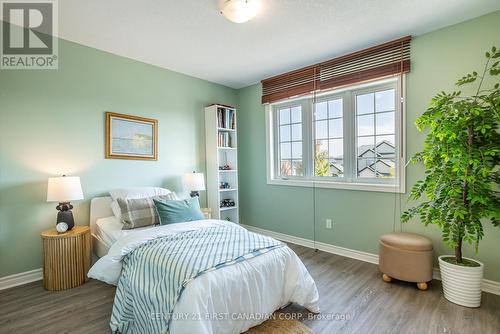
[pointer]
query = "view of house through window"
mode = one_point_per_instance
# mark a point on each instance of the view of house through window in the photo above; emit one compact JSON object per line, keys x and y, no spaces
{"x":375,"y":124}
{"x":329,"y":138}
{"x":345,"y":136}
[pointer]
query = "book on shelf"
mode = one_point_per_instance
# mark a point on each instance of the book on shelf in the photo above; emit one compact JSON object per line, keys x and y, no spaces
{"x":224,"y":139}
{"x":226,"y":118}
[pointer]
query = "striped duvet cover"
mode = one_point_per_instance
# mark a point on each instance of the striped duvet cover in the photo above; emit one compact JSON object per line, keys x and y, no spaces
{"x":154,"y":275}
{"x":205,"y":277}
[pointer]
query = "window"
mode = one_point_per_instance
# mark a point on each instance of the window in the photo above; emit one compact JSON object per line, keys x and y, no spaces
{"x":376,"y":133}
{"x":290,"y":140}
{"x":329,"y":138}
{"x":347,"y":139}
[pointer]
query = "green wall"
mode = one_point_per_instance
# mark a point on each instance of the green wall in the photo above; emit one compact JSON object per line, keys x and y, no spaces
{"x":52,"y":122}
{"x":360,"y":217}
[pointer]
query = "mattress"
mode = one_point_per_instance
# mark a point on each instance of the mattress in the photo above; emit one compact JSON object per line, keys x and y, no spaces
{"x":109,"y":229}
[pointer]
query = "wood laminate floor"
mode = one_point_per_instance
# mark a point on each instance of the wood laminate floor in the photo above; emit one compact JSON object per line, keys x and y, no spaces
{"x":353,"y":299}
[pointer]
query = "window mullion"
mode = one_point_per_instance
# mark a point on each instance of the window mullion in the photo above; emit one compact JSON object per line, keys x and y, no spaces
{"x":276,"y":143}
{"x":398,"y":130}
{"x":349,"y":136}
{"x":307,"y":139}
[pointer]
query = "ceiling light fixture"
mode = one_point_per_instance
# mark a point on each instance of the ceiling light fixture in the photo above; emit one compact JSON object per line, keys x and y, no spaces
{"x":239,"y":11}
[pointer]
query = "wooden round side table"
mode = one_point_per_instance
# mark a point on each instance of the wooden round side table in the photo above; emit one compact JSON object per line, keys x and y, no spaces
{"x":66,"y":258}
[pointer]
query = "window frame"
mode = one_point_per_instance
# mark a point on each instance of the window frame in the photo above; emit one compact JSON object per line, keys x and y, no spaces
{"x":349,"y":180}
{"x":325,"y":98}
{"x":277,"y":142}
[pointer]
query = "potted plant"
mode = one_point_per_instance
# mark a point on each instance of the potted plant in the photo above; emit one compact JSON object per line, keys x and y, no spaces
{"x":460,"y":189}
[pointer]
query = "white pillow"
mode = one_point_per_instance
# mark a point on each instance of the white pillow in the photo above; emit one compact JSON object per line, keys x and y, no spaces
{"x":117,"y":212}
{"x":131,"y":193}
{"x":173,"y":196}
{"x":138,"y":192}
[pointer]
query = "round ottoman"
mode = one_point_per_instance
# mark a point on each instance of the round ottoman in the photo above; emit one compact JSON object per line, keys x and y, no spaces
{"x":407,"y":257}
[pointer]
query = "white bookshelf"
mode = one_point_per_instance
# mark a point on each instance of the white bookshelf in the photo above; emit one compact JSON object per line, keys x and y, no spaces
{"x":219,"y":155}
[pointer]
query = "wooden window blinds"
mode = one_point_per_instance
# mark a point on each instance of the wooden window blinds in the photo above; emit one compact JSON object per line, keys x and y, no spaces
{"x":379,"y":61}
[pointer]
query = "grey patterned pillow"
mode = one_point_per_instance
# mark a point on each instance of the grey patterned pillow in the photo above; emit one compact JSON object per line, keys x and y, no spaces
{"x":139,"y":212}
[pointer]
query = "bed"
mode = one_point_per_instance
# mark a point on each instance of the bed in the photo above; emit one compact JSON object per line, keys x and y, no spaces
{"x":227,"y":298}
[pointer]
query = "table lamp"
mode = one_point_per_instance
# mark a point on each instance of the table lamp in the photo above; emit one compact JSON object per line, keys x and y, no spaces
{"x":63,"y":190}
{"x":195,"y":182}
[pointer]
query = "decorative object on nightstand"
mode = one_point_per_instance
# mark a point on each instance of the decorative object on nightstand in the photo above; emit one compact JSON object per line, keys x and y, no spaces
{"x":63,"y":190}
{"x":61,"y":227}
{"x":207,"y":212}
{"x":66,"y":258}
{"x":195,"y":182}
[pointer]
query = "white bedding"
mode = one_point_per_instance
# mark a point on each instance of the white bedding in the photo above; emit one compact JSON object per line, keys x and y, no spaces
{"x":109,"y":230}
{"x":228,"y":300}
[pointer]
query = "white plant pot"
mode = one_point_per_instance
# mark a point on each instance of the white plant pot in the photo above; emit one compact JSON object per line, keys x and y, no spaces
{"x":461,"y":285}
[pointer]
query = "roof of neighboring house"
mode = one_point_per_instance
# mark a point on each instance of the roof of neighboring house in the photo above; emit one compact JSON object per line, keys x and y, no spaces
{"x":383,"y":148}
{"x":379,"y":167}
{"x":338,"y":167}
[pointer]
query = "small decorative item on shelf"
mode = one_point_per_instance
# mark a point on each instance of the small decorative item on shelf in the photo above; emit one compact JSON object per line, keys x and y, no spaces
{"x":224,"y":185}
{"x":226,"y":165}
{"x":227,"y":203}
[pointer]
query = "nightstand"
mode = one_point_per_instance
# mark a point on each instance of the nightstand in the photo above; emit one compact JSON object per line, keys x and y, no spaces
{"x":207,"y":212}
{"x":66,"y":258}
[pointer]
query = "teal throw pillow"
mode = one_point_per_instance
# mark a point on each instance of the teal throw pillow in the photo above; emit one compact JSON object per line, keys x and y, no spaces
{"x":171,"y":211}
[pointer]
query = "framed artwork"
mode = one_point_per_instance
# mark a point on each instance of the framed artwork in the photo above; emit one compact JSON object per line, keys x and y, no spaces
{"x":131,"y":137}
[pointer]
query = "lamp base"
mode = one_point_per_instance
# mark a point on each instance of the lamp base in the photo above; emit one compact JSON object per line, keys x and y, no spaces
{"x":65,"y":214}
{"x":194,"y":194}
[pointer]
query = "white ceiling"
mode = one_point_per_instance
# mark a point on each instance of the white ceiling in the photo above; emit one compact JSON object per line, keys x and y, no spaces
{"x":191,"y":37}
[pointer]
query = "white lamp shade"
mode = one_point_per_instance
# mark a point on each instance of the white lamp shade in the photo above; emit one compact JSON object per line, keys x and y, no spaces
{"x":64,"y":189}
{"x":194,"y":181}
{"x":239,"y":11}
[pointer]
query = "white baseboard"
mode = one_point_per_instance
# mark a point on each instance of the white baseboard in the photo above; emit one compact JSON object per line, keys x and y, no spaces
{"x":487,"y":286}
{"x":346,"y":252}
{"x":21,"y":278}
{"x":436,"y":274}
{"x":491,"y":286}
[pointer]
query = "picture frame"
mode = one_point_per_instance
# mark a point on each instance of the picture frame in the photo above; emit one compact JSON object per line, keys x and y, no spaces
{"x":131,"y":137}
